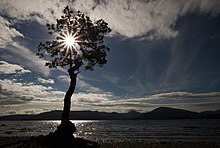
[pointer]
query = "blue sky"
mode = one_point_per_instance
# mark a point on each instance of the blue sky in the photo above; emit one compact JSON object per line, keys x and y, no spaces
{"x":163,"y":53}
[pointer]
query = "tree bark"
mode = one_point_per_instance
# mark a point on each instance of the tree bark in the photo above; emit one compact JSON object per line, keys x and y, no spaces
{"x":70,"y":91}
{"x":67,"y":98}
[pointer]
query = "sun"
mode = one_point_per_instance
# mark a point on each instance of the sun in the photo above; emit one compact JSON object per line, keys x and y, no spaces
{"x":69,"y":43}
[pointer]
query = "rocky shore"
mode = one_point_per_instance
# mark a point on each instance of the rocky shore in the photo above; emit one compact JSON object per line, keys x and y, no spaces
{"x":13,"y":142}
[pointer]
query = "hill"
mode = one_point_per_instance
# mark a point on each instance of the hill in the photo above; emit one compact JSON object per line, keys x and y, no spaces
{"x":75,"y":115}
{"x":158,"y":113}
{"x":170,"y":113}
{"x":211,"y":114}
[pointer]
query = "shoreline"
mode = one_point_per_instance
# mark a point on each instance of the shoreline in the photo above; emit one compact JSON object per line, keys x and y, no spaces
{"x":13,"y":141}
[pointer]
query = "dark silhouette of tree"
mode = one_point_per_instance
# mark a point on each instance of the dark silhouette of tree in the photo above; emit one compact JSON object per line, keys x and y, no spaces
{"x":79,"y":43}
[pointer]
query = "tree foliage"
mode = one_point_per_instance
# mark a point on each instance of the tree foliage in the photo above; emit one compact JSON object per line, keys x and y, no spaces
{"x":89,"y":34}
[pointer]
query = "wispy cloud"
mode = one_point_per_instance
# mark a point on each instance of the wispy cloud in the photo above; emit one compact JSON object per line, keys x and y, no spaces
{"x":15,"y":91}
{"x":81,"y":84}
{"x":184,"y":100}
{"x":152,"y":19}
{"x":20,"y":93}
{"x":40,"y":11}
{"x":188,"y":95}
{"x":18,"y":53}
{"x":23,"y":56}
{"x":6,"y":68}
{"x":45,"y":81}
{"x":8,"y":33}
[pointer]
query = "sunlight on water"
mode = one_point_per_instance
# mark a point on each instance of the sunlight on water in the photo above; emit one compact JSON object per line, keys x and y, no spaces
{"x":83,"y":121}
{"x":184,"y":130}
{"x":81,"y":125}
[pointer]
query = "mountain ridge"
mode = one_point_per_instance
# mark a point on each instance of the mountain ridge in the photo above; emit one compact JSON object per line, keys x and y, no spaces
{"x":158,"y":113}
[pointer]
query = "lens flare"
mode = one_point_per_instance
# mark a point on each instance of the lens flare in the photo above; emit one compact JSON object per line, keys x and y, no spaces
{"x":69,"y":43}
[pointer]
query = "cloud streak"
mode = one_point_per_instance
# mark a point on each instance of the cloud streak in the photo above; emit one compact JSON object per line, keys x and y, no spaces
{"x":40,"y":11}
{"x":22,"y":93}
{"x":188,"y":95}
{"x":8,"y":33}
{"x":6,"y":68}
{"x":46,"y":81}
{"x":152,"y":19}
{"x":182,"y":100}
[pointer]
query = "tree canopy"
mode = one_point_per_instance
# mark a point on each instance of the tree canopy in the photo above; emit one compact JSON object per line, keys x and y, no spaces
{"x":76,"y":37}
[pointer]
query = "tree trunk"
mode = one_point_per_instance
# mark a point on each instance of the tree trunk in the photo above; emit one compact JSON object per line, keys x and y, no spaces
{"x":67,"y":99}
{"x":69,"y":93}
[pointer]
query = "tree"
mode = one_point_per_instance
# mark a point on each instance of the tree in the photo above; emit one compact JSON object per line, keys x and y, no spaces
{"x":79,"y":42}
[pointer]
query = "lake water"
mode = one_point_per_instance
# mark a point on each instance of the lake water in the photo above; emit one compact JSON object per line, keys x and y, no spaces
{"x":156,"y":130}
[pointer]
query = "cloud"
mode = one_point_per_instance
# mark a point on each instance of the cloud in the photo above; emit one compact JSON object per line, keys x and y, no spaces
{"x":204,"y":106}
{"x":17,"y":92}
{"x":178,"y":98}
{"x":45,"y":81}
{"x":10,"y":97}
{"x":26,"y":10}
{"x":187,"y":95}
{"x":6,"y":68}
{"x":18,"y":53}
{"x":63,"y":78}
{"x":153,"y":19}
{"x":92,"y":98}
{"x":40,"y":97}
{"x":82,"y":85}
{"x":12,"y":112}
{"x":184,"y":100}
{"x":8,"y":33}
{"x":23,"y":56}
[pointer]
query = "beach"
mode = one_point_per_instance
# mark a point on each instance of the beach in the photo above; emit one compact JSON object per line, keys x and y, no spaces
{"x":12,"y":142}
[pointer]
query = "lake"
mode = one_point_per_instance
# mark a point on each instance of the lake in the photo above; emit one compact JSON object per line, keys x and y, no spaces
{"x":155,"y":130}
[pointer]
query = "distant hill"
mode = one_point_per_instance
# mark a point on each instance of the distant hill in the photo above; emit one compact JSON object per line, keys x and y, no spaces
{"x":75,"y":115}
{"x":158,"y":113}
{"x":170,"y":113}
{"x":211,"y":114}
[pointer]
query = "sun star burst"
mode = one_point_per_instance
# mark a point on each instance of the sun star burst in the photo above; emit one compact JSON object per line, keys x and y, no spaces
{"x":69,"y":43}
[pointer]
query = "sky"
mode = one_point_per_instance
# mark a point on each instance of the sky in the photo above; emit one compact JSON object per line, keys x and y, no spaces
{"x":163,"y":53}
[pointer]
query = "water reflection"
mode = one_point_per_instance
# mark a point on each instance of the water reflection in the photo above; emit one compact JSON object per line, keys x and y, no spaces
{"x":121,"y":129}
